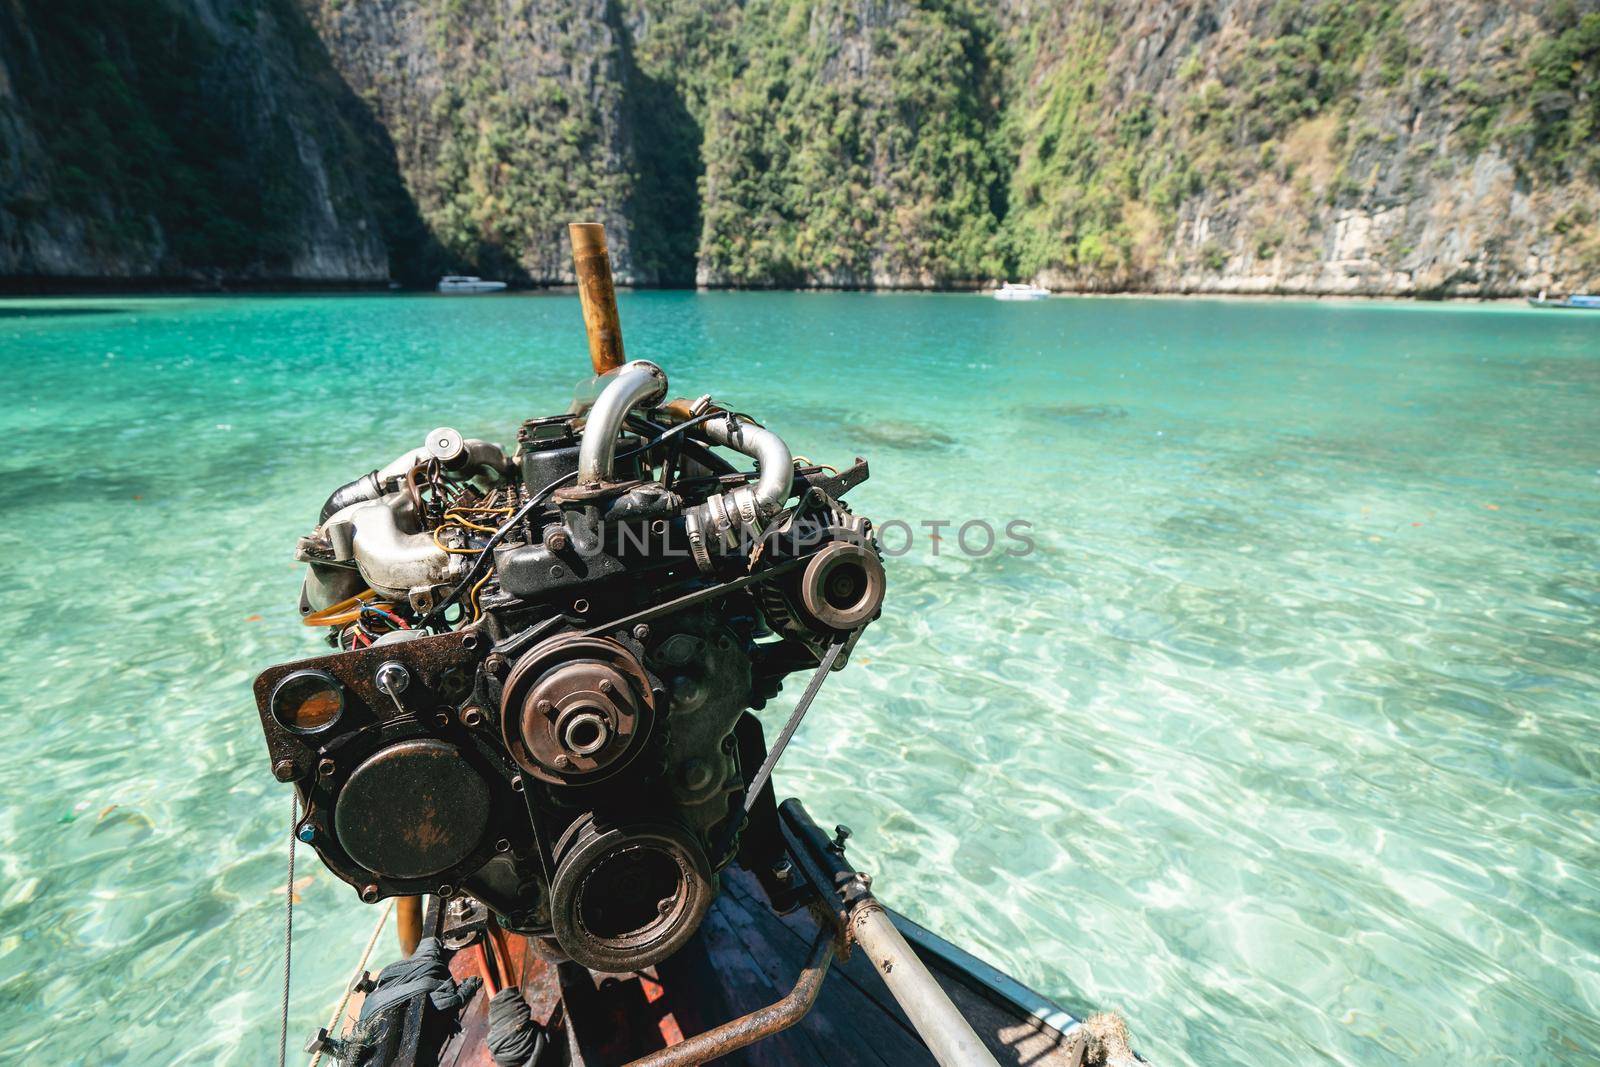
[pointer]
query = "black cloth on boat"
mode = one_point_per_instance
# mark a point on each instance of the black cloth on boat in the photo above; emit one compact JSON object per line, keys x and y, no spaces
{"x":424,"y":971}
{"x":380,"y":1032}
{"x":515,"y":1040}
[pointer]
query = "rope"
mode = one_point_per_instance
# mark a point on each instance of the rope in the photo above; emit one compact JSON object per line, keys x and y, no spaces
{"x":349,"y":989}
{"x":288,"y":928}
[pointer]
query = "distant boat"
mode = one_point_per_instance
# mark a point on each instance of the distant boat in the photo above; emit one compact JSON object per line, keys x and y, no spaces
{"x":467,"y":283}
{"x":1578,"y":302}
{"x":1020,"y":291}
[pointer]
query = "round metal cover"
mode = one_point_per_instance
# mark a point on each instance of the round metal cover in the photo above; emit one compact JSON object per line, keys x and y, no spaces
{"x":626,"y":897}
{"x":412,"y":810}
{"x":842,"y":587}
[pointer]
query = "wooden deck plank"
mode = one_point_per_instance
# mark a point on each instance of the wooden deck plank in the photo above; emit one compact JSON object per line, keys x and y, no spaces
{"x":721,"y":976}
{"x":857,"y":971}
{"x":844,"y":1024}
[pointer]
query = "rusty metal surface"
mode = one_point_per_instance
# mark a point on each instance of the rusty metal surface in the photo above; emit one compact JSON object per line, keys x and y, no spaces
{"x":559,"y":686}
{"x":440,"y":668}
{"x":378,"y":733}
{"x":592,"y":264}
{"x":413,"y":809}
{"x":516,"y":959}
{"x":763,"y":1022}
{"x":626,"y":896}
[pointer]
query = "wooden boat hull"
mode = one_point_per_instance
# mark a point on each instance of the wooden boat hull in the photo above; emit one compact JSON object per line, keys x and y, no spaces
{"x":745,"y":957}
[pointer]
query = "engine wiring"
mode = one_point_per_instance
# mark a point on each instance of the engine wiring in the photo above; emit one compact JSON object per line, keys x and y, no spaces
{"x":435,"y":616}
{"x":460,"y":521}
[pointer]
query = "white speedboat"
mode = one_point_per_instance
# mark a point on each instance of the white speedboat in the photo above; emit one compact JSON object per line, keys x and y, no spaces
{"x":1578,"y":301}
{"x":467,"y":283}
{"x":1020,"y":291}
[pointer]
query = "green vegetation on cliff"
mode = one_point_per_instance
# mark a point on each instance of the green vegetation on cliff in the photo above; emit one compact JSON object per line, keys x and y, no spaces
{"x":1320,"y":110}
{"x":846,"y":149}
{"x":520,"y":147}
{"x":1261,"y":145}
{"x":180,"y":146}
{"x":1563,"y":87}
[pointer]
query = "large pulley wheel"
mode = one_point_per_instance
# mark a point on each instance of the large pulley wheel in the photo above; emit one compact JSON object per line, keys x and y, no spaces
{"x":842,"y":586}
{"x":576,"y":709}
{"x":626,"y":897}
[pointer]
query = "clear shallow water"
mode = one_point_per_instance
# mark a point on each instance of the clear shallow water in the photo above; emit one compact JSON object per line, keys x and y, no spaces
{"x":1283,"y":741}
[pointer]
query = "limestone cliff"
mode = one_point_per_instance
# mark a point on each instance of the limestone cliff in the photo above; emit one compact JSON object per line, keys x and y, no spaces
{"x":1363,"y":146}
{"x":506,"y":118}
{"x":185,"y":141}
{"x":1429,"y":147}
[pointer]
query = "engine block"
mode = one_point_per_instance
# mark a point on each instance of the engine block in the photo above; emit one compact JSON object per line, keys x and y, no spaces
{"x":545,"y":662}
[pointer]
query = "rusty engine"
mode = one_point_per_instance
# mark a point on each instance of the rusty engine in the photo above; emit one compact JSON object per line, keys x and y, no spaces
{"x":545,"y":663}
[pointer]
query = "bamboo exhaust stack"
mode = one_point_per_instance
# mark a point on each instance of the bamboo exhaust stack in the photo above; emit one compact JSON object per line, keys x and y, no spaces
{"x":592,"y":264}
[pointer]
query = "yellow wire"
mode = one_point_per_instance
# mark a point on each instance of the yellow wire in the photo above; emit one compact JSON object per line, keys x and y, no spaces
{"x":446,"y":548}
{"x":345,"y":611}
{"x":497,"y":509}
{"x":453,"y":518}
{"x":477,"y":610}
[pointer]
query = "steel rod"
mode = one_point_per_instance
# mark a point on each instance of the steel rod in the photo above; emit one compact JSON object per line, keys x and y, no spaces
{"x":941,"y":1026}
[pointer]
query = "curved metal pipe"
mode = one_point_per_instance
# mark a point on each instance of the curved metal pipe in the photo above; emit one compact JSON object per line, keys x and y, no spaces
{"x":390,"y":560}
{"x":443,"y":444}
{"x":361,"y":489}
{"x":763,"y":1022}
{"x":398,"y":467}
{"x":716,"y":525}
{"x":774,"y":462}
{"x":635,"y":383}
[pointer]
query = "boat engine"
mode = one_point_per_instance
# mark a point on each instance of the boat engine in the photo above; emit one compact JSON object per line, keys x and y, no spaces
{"x":545,"y":661}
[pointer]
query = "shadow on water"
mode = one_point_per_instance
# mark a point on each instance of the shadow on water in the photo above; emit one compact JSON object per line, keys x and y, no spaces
{"x":900,"y":434}
{"x":1073,"y":413}
{"x":56,"y":312}
{"x":664,"y":205}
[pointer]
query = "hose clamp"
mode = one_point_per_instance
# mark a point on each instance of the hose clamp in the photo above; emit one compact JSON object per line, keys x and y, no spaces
{"x":744,"y":500}
{"x":694,"y":527}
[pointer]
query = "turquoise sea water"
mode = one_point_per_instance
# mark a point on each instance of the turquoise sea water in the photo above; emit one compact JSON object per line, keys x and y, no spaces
{"x":1282,"y":741}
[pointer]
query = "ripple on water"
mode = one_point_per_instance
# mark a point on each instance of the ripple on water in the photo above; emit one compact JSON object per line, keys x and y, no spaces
{"x":1281,"y":741}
